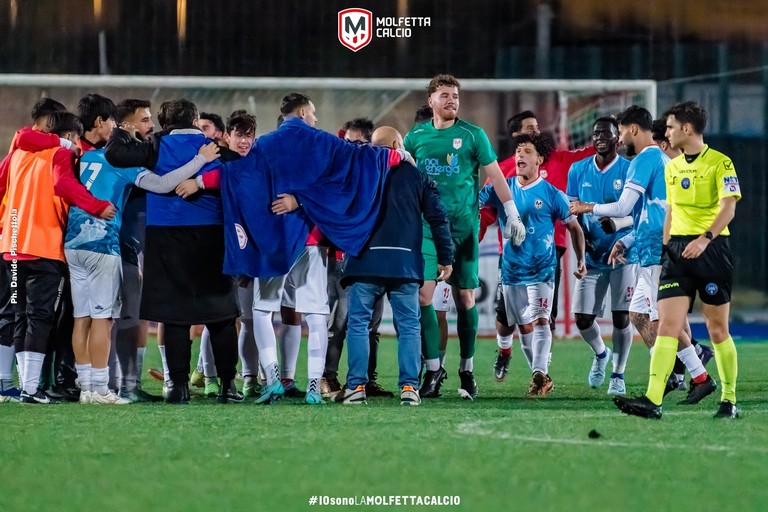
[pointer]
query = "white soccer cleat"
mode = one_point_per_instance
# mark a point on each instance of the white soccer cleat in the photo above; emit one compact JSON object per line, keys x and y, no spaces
{"x":617,"y":387}
{"x":85,"y":396}
{"x":109,"y":399}
{"x":597,"y":372}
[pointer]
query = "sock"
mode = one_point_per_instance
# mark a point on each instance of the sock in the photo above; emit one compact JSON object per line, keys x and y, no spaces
{"x":504,"y":342}
{"x":727,"y":368}
{"x":615,"y":375}
{"x":33,"y":365}
{"x":290,"y":343}
{"x":246,"y":344}
{"x":84,"y":379}
{"x":505,"y":351}
{"x":693,"y":363}
{"x":679,"y":368}
{"x":542,"y":344}
{"x":467,"y":365}
{"x":593,"y":338}
{"x":432,"y":364}
{"x":317,"y":344}
{"x":139,"y":364}
{"x":206,"y":355}
{"x":264,"y":334}
{"x":6,"y":367}
{"x":622,"y":344}
{"x":466,"y":327}
{"x":526,"y":344}
{"x":662,"y":361}
{"x":99,"y":380}
{"x":166,"y":372}
{"x":430,"y":333}
{"x":442,"y":357}
{"x":20,"y":358}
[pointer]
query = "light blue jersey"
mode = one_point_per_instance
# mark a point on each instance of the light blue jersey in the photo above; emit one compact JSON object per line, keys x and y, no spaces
{"x":646,"y":176}
{"x":89,"y":233}
{"x":540,"y":205}
{"x":589,"y":184}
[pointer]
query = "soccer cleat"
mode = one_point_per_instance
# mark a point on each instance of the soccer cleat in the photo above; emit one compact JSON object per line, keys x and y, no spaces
{"x":146,"y":397}
{"x":109,"y":399}
{"x":373,"y":388}
{"x":540,"y":386}
{"x":212,"y":387}
{"x":38,"y":397}
{"x":727,"y":410}
{"x":229,"y":394}
{"x":617,"y":386}
{"x":10,"y":395}
{"x":271,"y":393}
{"x":291,"y":390}
{"x":329,"y":387}
{"x":430,"y":387}
{"x":251,"y":387}
{"x":706,"y":354}
{"x":177,"y":394}
{"x":85,"y":396}
{"x":351,"y":396}
{"x":313,"y":396}
{"x":197,"y":379}
{"x":699,"y":392}
{"x":62,"y":392}
{"x":156,"y":374}
{"x":409,"y":396}
{"x":597,"y":372}
{"x":468,"y":386}
{"x":501,"y":367}
{"x":672,"y":384}
{"x":638,"y":406}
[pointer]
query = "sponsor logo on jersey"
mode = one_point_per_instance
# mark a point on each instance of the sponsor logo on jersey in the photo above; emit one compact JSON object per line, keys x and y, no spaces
{"x":711,"y":288}
{"x":242,"y":238}
{"x":617,"y":184}
{"x":667,"y":286}
{"x":685,"y":183}
{"x":586,"y":184}
{"x":731,"y":185}
{"x":457,"y":143}
{"x":432,"y":165}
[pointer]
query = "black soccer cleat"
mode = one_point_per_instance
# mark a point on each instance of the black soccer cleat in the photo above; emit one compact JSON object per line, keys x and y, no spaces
{"x":638,"y":406}
{"x":228,"y":393}
{"x":699,"y":392}
{"x":430,"y":387}
{"x":38,"y":397}
{"x":672,"y":384}
{"x":178,"y":394}
{"x":501,"y":367}
{"x":468,"y":388}
{"x":727,"y":410}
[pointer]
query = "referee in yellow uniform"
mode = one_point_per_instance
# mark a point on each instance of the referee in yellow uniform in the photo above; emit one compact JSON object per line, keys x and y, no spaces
{"x":702,"y":190}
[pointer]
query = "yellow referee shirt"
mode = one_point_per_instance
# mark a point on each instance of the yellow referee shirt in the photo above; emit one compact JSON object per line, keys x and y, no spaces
{"x":694,"y":190}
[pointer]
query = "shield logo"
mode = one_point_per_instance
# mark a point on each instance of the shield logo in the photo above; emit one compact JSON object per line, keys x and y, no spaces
{"x":617,"y":184}
{"x":456,"y":143}
{"x":355,"y":28}
{"x":538,"y":204}
{"x":543,"y":173}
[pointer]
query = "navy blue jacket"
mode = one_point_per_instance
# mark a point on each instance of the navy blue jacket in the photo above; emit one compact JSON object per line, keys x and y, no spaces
{"x":394,"y":249}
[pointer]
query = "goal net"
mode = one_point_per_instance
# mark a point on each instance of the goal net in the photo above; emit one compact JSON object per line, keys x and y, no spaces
{"x":566,"y":108}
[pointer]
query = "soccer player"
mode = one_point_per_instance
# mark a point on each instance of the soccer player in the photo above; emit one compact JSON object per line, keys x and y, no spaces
{"x":702,"y":191}
{"x":451,"y":151}
{"x":601,"y":179}
{"x":41,"y":185}
{"x":528,"y":270}
{"x":213,"y":127}
{"x":645,"y":183}
{"x":392,"y":265}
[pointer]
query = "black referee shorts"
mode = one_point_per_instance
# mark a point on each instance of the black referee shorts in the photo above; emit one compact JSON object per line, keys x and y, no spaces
{"x":711,"y":274}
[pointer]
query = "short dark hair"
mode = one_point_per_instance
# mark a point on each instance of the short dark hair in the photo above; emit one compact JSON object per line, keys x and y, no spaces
{"x":241,"y":121}
{"x":607,"y":119}
{"x":544,"y":145}
{"x":181,"y":113}
{"x":441,"y":80}
{"x":659,"y":130}
{"x":423,"y":114}
{"x":636,"y":115}
{"x":127,"y":107}
{"x":515,"y":123}
{"x":63,"y":122}
{"x":93,"y":106}
{"x":46,"y":107}
{"x":292,"y":102}
{"x":215,"y":119}
{"x":689,"y":112}
{"x":162,"y":113}
{"x":361,"y":124}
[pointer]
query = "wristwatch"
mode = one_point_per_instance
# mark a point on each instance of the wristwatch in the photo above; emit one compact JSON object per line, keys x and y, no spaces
{"x":708,"y":235}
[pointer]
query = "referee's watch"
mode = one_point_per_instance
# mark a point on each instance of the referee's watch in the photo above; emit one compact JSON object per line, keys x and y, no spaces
{"x":708,"y":235}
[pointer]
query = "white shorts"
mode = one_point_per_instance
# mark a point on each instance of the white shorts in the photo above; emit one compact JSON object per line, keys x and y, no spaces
{"x":304,"y":288}
{"x":644,"y":301}
{"x":589,"y":293}
{"x":245,"y":300}
{"x":441,"y":300}
{"x":95,"y":280}
{"x":526,"y":303}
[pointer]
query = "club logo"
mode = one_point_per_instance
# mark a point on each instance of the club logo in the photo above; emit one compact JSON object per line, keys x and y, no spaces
{"x":711,"y":288}
{"x":355,"y":28}
{"x":456,"y":143}
{"x":685,"y":183}
{"x":242,"y":238}
{"x":538,"y":204}
{"x":543,"y":173}
{"x":617,"y":184}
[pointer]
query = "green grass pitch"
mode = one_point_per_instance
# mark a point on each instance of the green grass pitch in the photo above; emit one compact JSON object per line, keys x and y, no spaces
{"x":500,"y":453}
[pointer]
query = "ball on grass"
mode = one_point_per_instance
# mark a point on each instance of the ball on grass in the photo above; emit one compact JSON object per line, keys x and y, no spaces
{"x":594,"y":434}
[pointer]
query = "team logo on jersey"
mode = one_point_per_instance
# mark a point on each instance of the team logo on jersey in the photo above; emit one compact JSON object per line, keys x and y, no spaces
{"x":685,"y":183}
{"x":711,"y":288}
{"x":242,"y":238}
{"x":543,"y":173}
{"x":456,"y":143}
{"x":731,"y":185}
{"x":617,"y":184}
{"x":355,"y":28}
{"x":538,"y":204}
